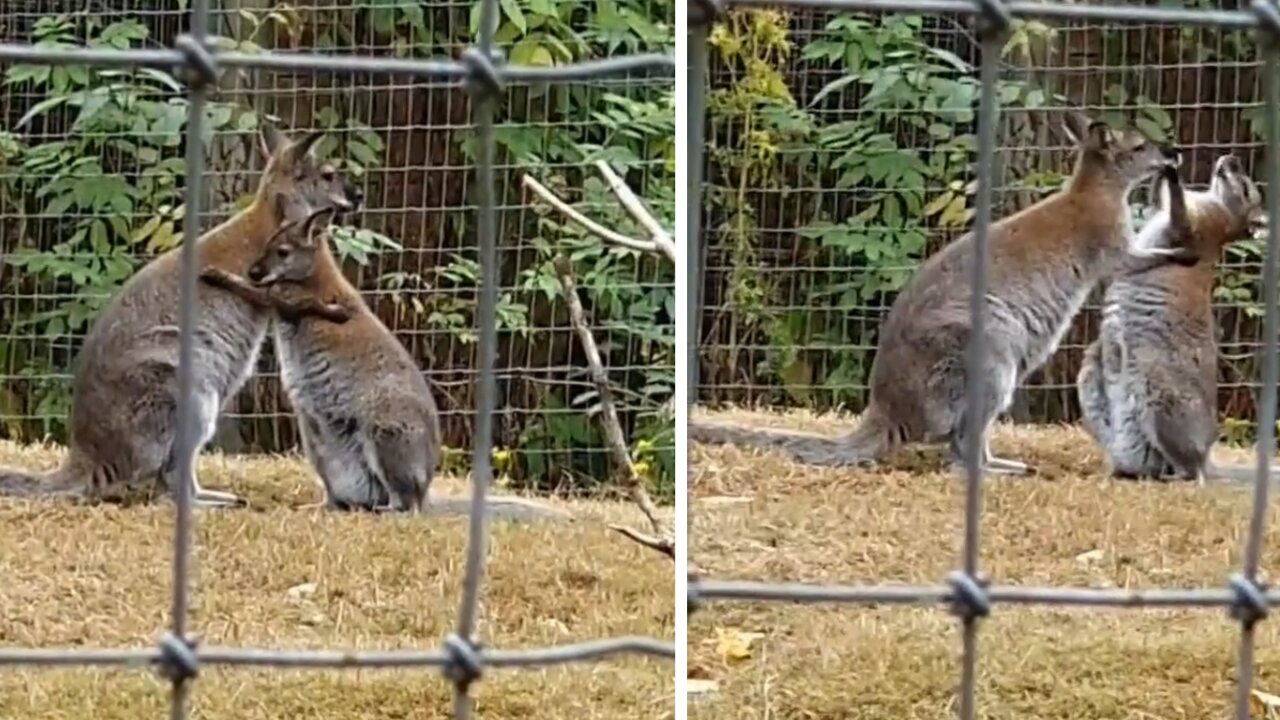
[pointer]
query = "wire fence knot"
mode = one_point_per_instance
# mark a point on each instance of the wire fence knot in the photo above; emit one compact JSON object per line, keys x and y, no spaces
{"x":464,"y":665}
{"x":693,"y":594}
{"x":993,"y":18}
{"x":483,"y":78}
{"x":178,"y":661}
{"x":1268,"y":19}
{"x":1250,"y":604}
{"x":199,"y":66}
{"x":969,"y":598}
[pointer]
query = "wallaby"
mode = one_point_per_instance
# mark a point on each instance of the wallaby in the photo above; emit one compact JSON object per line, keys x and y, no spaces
{"x":124,"y":411}
{"x":1044,"y":262}
{"x":367,"y":420}
{"x":1148,"y":385}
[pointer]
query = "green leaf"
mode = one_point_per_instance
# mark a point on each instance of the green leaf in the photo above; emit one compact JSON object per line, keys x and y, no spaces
{"x":1150,"y":128}
{"x":41,"y":108}
{"x":511,"y":8}
{"x":833,"y":86}
{"x":938,"y":203}
{"x":530,"y":52}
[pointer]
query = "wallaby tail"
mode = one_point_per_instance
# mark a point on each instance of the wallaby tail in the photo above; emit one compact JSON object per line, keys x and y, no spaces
{"x":63,"y":481}
{"x":501,"y":507}
{"x":873,"y":438}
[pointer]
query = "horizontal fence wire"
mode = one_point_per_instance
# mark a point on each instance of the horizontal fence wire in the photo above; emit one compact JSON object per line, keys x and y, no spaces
{"x":967,"y":592}
{"x":461,"y":658}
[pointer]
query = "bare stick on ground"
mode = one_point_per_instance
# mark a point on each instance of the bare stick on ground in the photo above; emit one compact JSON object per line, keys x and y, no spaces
{"x":661,"y":538}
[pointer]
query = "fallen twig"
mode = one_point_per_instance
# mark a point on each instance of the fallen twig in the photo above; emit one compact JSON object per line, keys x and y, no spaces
{"x":625,"y":469}
{"x":660,"y":242}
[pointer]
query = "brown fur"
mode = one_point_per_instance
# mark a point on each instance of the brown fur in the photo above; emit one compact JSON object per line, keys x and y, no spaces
{"x":124,"y":394}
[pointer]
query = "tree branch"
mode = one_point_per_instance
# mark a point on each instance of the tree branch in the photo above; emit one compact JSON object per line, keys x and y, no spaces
{"x":660,"y":242}
{"x":625,"y":471}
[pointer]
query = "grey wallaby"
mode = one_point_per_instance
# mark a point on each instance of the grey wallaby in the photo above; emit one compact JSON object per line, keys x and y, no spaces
{"x":1044,"y":261}
{"x":366,"y":416}
{"x":124,"y":406}
{"x":1148,"y":386}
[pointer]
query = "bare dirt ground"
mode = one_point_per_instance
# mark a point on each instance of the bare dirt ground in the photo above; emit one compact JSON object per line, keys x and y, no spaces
{"x":756,"y":515}
{"x":100,"y":576}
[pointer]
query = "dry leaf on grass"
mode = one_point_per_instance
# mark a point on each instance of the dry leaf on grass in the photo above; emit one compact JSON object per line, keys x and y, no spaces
{"x":1264,"y":705}
{"x":735,"y":645}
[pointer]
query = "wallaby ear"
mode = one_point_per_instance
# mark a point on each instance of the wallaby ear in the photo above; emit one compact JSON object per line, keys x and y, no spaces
{"x":1163,"y":191}
{"x":270,"y":139}
{"x":303,"y":145}
{"x":285,"y":210}
{"x":1100,"y":136}
{"x":1075,"y":125}
{"x":315,"y":225}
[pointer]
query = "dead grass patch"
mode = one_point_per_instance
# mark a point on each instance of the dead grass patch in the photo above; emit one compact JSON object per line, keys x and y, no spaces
{"x":101,"y":576}
{"x":903,"y":525}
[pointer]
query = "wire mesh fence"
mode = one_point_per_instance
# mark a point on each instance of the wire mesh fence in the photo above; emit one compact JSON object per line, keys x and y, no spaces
{"x":192,"y":70}
{"x":966,"y":592}
{"x":407,"y":141}
{"x":806,"y":239}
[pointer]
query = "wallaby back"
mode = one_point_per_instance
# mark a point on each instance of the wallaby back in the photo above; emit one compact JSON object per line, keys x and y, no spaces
{"x":124,"y":393}
{"x":1044,"y":261}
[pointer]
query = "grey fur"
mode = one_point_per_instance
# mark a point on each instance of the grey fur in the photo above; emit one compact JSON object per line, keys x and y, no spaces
{"x":1148,"y":383}
{"x":1077,"y":238}
{"x":125,"y":396}
{"x":367,"y":418}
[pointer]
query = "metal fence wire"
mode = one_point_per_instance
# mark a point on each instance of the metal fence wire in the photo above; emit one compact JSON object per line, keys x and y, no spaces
{"x":968,"y":594}
{"x":462,"y":658}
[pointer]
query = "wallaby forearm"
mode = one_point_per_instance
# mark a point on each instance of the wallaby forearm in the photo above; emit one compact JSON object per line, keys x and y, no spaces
{"x":288,"y":307}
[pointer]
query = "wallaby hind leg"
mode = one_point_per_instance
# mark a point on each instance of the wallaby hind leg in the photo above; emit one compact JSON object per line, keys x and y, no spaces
{"x":1174,"y":434}
{"x":314,"y":444}
{"x":1001,"y":384}
{"x":205,"y":408}
{"x":403,"y":462}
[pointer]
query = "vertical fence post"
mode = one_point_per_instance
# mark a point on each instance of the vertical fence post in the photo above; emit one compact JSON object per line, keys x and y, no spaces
{"x":180,"y":659}
{"x":485,"y":87}
{"x":701,"y":14}
{"x":1251,"y":602}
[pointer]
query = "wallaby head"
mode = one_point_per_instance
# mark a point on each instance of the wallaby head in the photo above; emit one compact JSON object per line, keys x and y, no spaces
{"x":1231,"y":209}
{"x":1115,"y":157}
{"x":290,"y":254}
{"x":1240,"y":195}
{"x":295,"y":184}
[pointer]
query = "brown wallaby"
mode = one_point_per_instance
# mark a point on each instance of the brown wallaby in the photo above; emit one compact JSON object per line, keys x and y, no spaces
{"x":366,"y":416}
{"x":1148,"y":386}
{"x":1044,"y":261}
{"x":124,"y":406}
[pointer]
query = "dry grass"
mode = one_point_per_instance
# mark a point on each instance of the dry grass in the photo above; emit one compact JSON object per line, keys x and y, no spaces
{"x":101,"y":576}
{"x":903,"y":525}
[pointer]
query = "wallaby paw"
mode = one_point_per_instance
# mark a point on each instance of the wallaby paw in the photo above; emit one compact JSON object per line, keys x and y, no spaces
{"x":1002,"y":466}
{"x":216,"y":499}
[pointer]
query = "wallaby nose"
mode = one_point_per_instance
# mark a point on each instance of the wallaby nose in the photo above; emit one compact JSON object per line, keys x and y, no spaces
{"x":355,"y":195}
{"x":256,"y":273}
{"x":1171,"y":151}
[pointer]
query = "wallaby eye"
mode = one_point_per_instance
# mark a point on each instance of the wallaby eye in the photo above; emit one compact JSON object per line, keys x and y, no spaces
{"x":328,"y":174}
{"x":282,"y":252}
